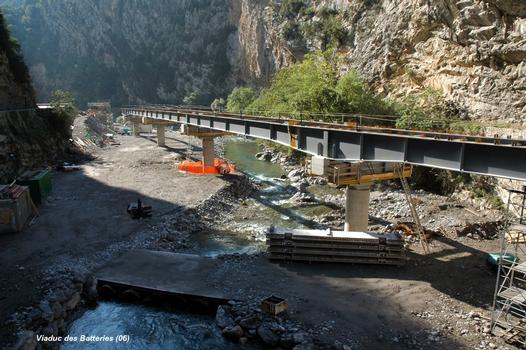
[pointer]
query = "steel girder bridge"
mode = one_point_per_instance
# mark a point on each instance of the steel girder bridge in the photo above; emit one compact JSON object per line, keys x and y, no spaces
{"x":492,"y":156}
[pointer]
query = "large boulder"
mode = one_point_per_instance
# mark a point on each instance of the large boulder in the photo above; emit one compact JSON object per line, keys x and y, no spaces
{"x":223,"y":317}
{"x":265,"y":155}
{"x":300,"y":186}
{"x":46,"y":311}
{"x":296,"y":174}
{"x":250,"y":322}
{"x":72,"y":301}
{"x":267,"y":336}
{"x":233,"y":332}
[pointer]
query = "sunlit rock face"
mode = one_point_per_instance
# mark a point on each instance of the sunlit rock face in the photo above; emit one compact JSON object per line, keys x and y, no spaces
{"x":473,"y":51}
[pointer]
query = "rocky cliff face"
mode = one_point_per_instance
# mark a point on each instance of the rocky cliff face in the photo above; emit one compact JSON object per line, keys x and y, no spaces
{"x":27,"y":138}
{"x":258,"y":48}
{"x":474,"y":51}
{"x":13,"y":93}
{"x":129,"y":51}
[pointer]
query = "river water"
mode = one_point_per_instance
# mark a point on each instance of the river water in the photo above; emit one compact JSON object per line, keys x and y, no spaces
{"x":153,"y":328}
{"x":246,"y":232}
{"x":148,"y":328}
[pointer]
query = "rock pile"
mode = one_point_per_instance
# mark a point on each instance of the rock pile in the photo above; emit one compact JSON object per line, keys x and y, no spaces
{"x":49,"y":317}
{"x":217,"y":207}
{"x":273,"y":155}
{"x":482,"y":230}
{"x":246,"y":323}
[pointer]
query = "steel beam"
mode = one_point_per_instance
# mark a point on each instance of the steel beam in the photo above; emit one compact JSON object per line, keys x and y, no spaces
{"x":504,"y":158}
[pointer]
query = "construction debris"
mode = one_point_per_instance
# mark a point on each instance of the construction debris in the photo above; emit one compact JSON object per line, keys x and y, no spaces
{"x":408,"y":229}
{"x":139,"y":210}
{"x":68,"y":167}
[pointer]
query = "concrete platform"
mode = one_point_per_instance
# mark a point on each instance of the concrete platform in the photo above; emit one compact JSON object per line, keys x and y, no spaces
{"x":164,"y":272}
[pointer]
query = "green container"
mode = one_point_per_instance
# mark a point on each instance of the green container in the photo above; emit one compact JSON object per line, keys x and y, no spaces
{"x":494,"y":258}
{"x":39,"y":183}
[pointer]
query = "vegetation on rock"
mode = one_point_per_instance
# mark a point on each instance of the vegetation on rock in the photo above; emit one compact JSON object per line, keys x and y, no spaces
{"x":316,"y":88}
{"x":240,"y":99}
{"x":64,"y":110}
{"x":311,"y":25}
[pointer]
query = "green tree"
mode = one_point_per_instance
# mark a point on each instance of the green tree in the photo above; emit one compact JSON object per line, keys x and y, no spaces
{"x":240,"y":99}
{"x":191,"y":99}
{"x":65,"y":111}
{"x":218,"y":105}
{"x":315,"y":87}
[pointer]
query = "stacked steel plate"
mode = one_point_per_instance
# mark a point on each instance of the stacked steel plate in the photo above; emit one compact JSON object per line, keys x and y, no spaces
{"x":335,"y":246}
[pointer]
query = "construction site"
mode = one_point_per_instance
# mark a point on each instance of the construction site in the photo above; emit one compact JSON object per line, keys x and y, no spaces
{"x":183,"y":222}
{"x":262,"y":174}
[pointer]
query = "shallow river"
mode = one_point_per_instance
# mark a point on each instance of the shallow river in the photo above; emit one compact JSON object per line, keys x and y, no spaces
{"x":152,"y":328}
{"x":148,"y":328}
{"x":246,"y":233}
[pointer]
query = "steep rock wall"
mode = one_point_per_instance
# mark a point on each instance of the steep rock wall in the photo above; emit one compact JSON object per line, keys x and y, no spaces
{"x":27,"y":138}
{"x":126,"y":51}
{"x":258,"y":50}
{"x":474,"y":51}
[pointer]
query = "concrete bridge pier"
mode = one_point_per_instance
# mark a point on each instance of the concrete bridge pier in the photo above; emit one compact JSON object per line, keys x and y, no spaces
{"x":136,"y":128}
{"x":208,"y":151}
{"x":357,"y":207}
{"x":161,"y":135}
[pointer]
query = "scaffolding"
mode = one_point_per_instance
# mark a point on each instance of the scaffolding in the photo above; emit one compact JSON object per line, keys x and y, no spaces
{"x":411,"y":203}
{"x":509,"y":303}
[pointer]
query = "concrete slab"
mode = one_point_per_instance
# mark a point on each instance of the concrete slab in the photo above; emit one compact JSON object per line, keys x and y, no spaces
{"x":164,"y":272}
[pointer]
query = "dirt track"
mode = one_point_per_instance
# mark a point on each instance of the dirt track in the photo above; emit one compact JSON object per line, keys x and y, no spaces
{"x":84,"y":221}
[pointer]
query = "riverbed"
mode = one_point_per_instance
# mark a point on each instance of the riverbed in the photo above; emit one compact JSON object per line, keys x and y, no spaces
{"x":154,"y":328}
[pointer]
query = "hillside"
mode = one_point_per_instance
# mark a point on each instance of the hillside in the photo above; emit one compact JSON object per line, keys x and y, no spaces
{"x":28,"y":137}
{"x":473,"y":51}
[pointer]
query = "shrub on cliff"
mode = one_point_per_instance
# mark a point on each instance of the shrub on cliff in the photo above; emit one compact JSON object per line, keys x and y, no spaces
{"x":64,"y":110}
{"x":240,"y":99}
{"x":315,"y":89}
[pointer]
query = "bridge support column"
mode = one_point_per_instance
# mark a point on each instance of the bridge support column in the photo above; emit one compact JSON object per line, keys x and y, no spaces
{"x":136,"y":129}
{"x":208,"y":151}
{"x":357,"y":207}
{"x":161,"y":135}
